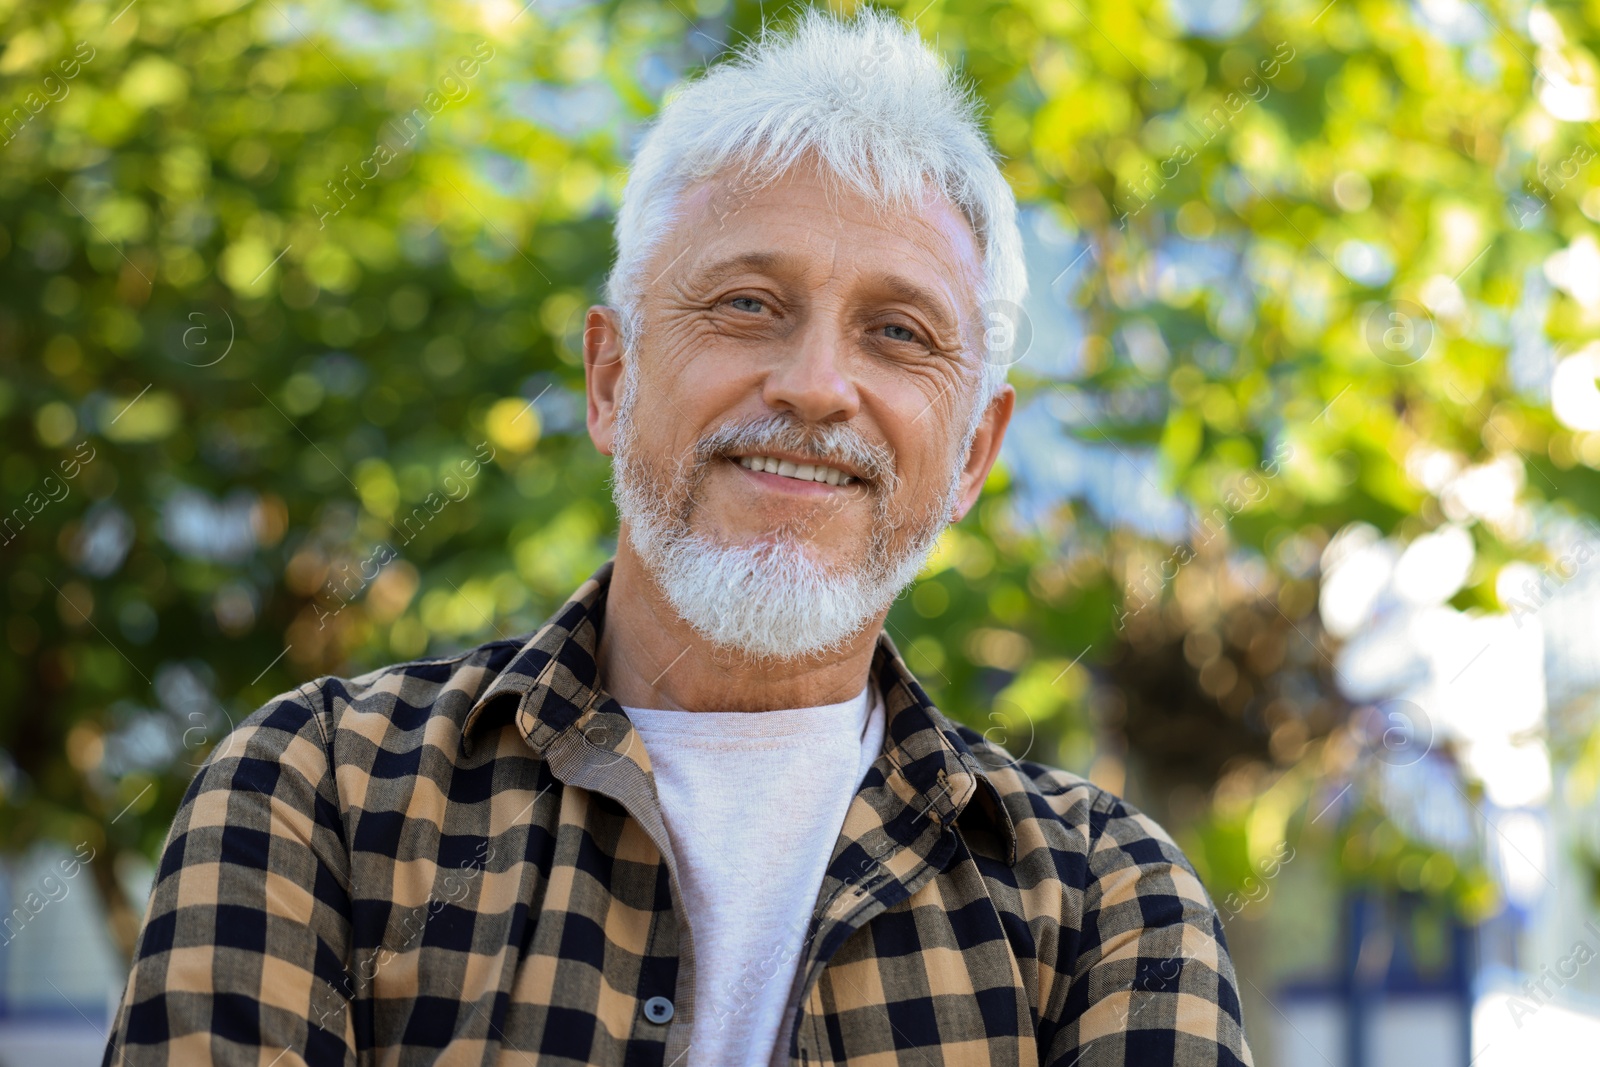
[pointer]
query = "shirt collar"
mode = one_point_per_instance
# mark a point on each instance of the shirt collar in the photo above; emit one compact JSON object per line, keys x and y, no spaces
{"x":553,"y":684}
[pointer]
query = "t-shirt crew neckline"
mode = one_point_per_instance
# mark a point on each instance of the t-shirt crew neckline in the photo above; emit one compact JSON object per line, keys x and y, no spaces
{"x":821,"y":721}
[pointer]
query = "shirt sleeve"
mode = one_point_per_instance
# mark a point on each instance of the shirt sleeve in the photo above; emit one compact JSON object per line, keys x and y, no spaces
{"x":1152,"y":984}
{"x":242,"y":957}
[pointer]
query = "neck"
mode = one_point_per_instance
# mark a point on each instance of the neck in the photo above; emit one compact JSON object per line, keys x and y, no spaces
{"x":651,"y":658}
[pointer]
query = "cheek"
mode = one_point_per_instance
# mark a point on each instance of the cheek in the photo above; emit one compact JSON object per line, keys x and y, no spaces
{"x":922,"y":414}
{"x":700,"y":379}
{"x":687,"y":360}
{"x":679,"y":400}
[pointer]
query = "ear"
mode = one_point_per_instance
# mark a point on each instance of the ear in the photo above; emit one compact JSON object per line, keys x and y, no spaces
{"x":602,"y":372}
{"x":985,"y":450}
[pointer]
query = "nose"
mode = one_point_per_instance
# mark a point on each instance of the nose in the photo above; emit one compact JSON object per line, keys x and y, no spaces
{"x":811,"y":378}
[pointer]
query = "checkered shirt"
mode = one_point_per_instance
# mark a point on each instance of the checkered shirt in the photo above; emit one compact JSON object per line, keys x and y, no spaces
{"x":463,"y":861}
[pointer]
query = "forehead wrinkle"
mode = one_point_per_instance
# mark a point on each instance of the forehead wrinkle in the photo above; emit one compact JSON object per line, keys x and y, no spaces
{"x":767,"y":262}
{"x":925,"y":224}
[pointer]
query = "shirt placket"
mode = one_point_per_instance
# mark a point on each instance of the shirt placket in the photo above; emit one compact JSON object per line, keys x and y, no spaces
{"x":850,"y":899}
{"x":603,"y":753}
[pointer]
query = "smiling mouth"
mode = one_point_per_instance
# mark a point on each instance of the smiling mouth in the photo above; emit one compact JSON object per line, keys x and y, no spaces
{"x":800,"y":472}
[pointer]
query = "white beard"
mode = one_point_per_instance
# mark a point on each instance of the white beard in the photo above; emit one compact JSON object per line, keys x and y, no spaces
{"x":769,"y":599}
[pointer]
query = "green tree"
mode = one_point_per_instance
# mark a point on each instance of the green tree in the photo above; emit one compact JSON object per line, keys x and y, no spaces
{"x":294,"y":294}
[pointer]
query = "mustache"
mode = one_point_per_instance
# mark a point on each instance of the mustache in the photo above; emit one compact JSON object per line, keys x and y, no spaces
{"x":833,"y":444}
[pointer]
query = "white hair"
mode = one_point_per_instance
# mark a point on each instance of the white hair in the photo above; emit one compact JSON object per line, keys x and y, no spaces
{"x":876,"y":106}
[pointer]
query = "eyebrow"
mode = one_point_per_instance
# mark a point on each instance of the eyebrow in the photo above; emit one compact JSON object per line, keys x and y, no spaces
{"x":764,"y":262}
{"x":920,"y":296}
{"x":894,"y":286}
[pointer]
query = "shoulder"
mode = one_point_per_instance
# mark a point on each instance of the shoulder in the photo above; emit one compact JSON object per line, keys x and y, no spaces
{"x":1084,"y":830}
{"x":380,"y":709}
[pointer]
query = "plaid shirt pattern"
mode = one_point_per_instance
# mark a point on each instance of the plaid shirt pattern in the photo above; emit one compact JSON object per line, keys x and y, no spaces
{"x":463,"y":861}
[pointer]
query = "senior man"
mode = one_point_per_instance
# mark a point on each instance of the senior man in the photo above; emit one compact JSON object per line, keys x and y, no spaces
{"x":706,"y":815}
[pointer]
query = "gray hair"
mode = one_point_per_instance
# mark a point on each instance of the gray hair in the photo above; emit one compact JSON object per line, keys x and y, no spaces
{"x":877,"y":107}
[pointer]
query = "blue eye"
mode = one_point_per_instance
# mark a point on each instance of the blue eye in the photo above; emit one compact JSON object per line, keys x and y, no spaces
{"x":903,"y":335}
{"x":740,"y":302}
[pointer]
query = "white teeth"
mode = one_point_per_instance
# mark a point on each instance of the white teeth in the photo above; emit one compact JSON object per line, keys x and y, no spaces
{"x":805,"y":472}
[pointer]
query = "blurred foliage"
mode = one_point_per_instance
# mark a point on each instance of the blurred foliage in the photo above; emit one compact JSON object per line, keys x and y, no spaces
{"x":294,"y":293}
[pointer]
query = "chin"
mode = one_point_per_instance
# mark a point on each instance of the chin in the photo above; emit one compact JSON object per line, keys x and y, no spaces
{"x":767,"y":599}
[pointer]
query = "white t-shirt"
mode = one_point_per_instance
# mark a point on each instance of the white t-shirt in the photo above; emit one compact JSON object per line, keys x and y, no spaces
{"x":753,"y":803}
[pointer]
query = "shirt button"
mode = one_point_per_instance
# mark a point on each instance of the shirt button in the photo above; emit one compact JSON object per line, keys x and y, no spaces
{"x":658,"y":1010}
